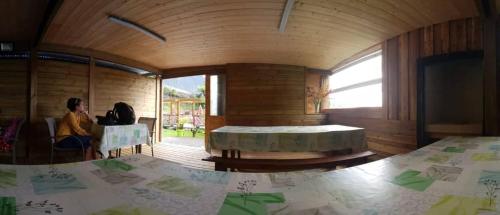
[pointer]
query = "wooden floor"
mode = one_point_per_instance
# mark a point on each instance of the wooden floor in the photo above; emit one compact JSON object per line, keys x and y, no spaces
{"x":184,"y":155}
{"x":191,"y":156}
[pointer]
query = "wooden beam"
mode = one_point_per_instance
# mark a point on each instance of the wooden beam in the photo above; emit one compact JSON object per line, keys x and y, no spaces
{"x":91,"y":86}
{"x":184,"y":100}
{"x":319,"y":71}
{"x":490,"y":21}
{"x":305,"y":93}
{"x":213,"y":69}
{"x":404,"y":95}
{"x":31,"y":100}
{"x":357,"y":56}
{"x":392,"y":67}
{"x":208,"y":118}
{"x":496,"y":124}
{"x":286,"y":13}
{"x":32,"y":86}
{"x":50,"y":12}
{"x":362,"y":84}
{"x":158,"y":108}
{"x":190,"y":71}
{"x":487,"y":8}
{"x":413,"y":55}
{"x":385,"y":81}
{"x":97,"y":54}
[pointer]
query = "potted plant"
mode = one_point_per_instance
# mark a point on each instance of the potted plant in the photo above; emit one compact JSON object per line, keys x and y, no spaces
{"x":317,"y":95}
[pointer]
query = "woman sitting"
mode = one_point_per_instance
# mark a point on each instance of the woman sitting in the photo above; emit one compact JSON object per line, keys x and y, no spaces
{"x":77,"y":124}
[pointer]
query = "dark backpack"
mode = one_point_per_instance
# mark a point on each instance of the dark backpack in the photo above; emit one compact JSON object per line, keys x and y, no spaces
{"x":124,"y":113}
{"x":109,"y":119}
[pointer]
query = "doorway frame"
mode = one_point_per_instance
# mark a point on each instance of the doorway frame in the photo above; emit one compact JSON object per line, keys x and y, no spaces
{"x":218,"y":121}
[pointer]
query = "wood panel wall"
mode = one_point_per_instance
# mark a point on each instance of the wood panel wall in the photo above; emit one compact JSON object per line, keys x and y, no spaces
{"x":13,"y":100}
{"x":13,"y":84}
{"x":57,"y":82}
{"x":392,"y":128}
{"x":35,"y":88}
{"x":113,"y":86}
{"x":268,"y":95}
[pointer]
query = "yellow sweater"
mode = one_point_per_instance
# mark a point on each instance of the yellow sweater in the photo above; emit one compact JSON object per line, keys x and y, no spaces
{"x":73,"y":124}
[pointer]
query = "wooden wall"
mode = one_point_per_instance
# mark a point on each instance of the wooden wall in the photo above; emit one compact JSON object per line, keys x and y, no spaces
{"x":268,"y":94}
{"x":57,"y":82}
{"x":113,"y":86}
{"x":392,"y":128}
{"x":13,"y":102}
{"x":13,"y":83}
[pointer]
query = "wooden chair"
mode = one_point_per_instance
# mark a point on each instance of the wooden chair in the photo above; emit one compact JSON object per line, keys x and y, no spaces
{"x":235,"y":162}
{"x":51,"y":123}
{"x":150,"y":122}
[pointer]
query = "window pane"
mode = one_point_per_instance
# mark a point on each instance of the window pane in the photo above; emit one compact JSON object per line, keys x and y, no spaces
{"x":367,"y":96}
{"x":363,"y":71}
{"x":214,"y":96}
{"x":217,"y":94}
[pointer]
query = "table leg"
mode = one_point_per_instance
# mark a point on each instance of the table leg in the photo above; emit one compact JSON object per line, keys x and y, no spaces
{"x":138,"y":149}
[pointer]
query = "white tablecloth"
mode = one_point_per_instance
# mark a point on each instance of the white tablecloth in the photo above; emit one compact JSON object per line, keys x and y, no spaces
{"x":288,"y":138}
{"x":119,"y":136}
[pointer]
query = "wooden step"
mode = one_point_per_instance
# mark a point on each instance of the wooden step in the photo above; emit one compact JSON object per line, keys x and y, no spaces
{"x":328,"y":162}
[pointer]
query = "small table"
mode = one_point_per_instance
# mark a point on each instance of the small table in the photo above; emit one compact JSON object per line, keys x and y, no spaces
{"x":119,"y":136}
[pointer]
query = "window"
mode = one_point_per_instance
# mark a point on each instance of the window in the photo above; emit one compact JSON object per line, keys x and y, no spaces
{"x":359,"y":84}
{"x":217,"y":95}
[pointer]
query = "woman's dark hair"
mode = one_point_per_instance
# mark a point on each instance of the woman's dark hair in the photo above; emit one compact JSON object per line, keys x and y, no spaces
{"x":72,"y":103}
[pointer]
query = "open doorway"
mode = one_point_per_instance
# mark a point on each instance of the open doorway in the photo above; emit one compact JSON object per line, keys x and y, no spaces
{"x":183,"y":111}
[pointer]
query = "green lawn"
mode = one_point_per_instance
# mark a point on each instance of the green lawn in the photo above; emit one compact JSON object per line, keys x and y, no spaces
{"x":182,"y":133}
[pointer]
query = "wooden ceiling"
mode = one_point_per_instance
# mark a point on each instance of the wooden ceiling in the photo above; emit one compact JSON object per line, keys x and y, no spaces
{"x":21,"y":20}
{"x":319,"y":33}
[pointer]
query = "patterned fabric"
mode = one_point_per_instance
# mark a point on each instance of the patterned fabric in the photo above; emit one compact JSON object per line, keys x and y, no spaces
{"x":119,"y":136}
{"x":138,"y":184}
{"x":9,"y":135}
{"x":288,"y":138}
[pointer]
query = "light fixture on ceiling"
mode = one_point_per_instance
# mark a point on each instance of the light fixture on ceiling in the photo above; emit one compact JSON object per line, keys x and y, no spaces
{"x":286,"y":12}
{"x":135,"y":26}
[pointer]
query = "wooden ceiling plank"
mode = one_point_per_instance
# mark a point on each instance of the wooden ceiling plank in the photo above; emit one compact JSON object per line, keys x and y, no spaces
{"x":188,"y":31}
{"x":372,"y":16}
{"x":20,"y":21}
{"x":64,"y":13}
{"x":103,"y":23}
{"x":50,"y":12}
{"x":99,"y":12}
{"x":75,"y":20}
{"x":192,"y":11}
{"x":222,"y":31}
{"x":221,"y":36}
